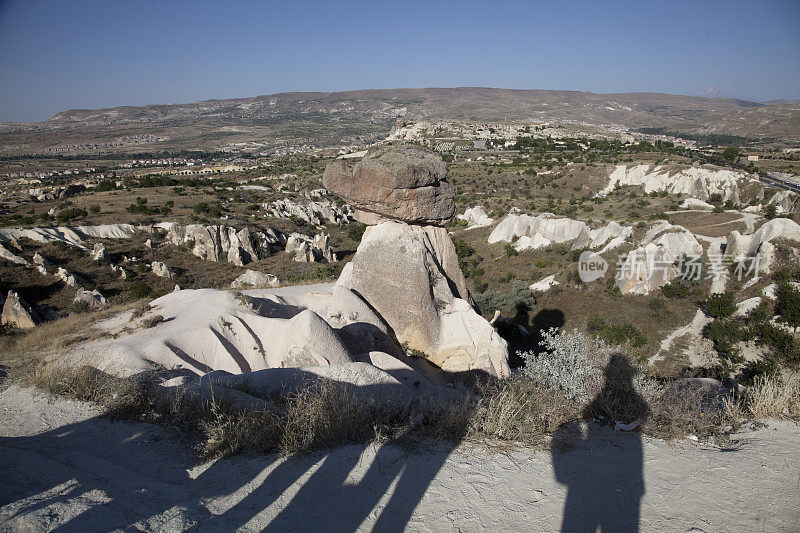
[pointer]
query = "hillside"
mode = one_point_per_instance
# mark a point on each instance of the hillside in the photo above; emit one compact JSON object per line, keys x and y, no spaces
{"x":331,"y":119}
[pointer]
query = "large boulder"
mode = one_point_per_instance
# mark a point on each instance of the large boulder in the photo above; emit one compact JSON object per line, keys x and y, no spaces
{"x":410,"y":276}
{"x":407,"y":183}
{"x":309,"y":341}
{"x":17,"y":313}
{"x":252,"y":279}
{"x":93,"y":299}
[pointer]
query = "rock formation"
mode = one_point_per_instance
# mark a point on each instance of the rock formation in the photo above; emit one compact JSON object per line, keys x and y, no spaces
{"x":255,"y":280}
{"x":17,"y":313}
{"x":161,"y":270}
{"x":476,"y":217}
{"x":8,"y":256}
{"x":697,"y":182}
{"x":317,"y":213}
{"x":653,"y":263}
{"x":307,"y":250}
{"x":406,"y":183}
{"x":529,"y":232}
{"x":217,"y":243}
{"x":99,"y":252}
{"x":93,"y":299}
{"x":410,"y":275}
{"x":759,"y":245}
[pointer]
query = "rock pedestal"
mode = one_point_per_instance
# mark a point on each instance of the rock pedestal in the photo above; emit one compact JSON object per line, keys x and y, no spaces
{"x":406,"y":267}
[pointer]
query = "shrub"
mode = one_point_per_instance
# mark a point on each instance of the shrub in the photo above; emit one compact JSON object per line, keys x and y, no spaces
{"x":774,"y":396}
{"x":463,"y":249}
{"x":675,"y":289}
{"x":570,"y":364}
{"x":356,"y":231}
{"x":140,"y":289}
{"x":510,"y":250}
{"x":152,"y":321}
{"x":725,"y":334}
{"x":71,"y":213}
{"x":787,"y":304}
{"x":616,"y":333}
{"x":720,"y":304}
{"x":518,"y":296}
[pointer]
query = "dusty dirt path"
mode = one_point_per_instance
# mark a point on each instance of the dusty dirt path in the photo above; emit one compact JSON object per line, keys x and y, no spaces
{"x":66,"y":468}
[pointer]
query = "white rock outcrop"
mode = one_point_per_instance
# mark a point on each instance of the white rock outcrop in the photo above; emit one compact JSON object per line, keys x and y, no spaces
{"x":530,"y":232}
{"x":93,"y":299}
{"x":697,"y":182}
{"x":17,"y":313}
{"x":317,"y":213}
{"x":255,"y":280}
{"x":476,"y":217}
{"x":220,"y":243}
{"x":161,"y":270}
{"x":544,"y":284}
{"x":410,"y":276}
{"x":304,"y":249}
{"x":695,"y":204}
{"x":13,"y":258}
{"x":653,"y":263}
{"x":99,"y":252}
{"x":758,"y":246}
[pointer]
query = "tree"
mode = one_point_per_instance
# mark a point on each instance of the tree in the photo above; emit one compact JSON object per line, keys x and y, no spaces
{"x":788,"y":304}
{"x":731,"y":153}
{"x":721,"y":304}
{"x":771,"y":211}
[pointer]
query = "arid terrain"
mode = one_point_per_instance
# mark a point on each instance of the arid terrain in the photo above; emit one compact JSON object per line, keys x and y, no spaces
{"x":422,"y":309}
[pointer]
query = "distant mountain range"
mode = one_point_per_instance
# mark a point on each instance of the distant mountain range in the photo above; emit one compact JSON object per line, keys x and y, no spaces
{"x":336,"y":118}
{"x":718,"y":92}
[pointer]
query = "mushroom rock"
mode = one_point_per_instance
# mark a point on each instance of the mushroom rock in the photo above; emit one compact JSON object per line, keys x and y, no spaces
{"x":406,"y":183}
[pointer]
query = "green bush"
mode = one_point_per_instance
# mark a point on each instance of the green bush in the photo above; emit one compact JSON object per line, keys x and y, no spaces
{"x":720,"y":304}
{"x":71,"y":213}
{"x":615,"y":333}
{"x":356,"y":231}
{"x":140,"y":289}
{"x":725,"y":334}
{"x":510,"y":250}
{"x":788,"y":304}
{"x":675,"y":289}
{"x":518,"y":296}
{"x":463,"y":249}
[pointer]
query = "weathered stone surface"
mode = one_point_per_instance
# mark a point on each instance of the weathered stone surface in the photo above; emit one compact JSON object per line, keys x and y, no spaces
{"x":407,"y":183}
{"x":161,"y":269}
{"x":255,"y":280}
{"x":309,"y":341}
{"x":410,"y":276}
{"x":99,"y":252}
{"x":17,"y":312}
{"x":93,"y":299}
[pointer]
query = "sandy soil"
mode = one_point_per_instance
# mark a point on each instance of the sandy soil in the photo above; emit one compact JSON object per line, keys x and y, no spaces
{"x":65,"y":467}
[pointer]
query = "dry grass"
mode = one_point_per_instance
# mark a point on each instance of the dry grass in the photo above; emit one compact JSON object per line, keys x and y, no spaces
{"x":774,"y":397}
{"x":28,"y":346}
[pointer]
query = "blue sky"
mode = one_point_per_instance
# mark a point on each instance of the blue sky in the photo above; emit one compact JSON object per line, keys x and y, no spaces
{"x":57,"y":55}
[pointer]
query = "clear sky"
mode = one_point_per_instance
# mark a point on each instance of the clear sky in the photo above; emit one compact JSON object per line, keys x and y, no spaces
{"x":58,"y":55}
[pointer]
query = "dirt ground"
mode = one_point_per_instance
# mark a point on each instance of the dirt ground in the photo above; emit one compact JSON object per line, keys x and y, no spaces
{"x":66,"y":467}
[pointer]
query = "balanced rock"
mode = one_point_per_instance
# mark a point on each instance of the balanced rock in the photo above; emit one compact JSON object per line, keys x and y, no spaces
{"x":407,"y":183}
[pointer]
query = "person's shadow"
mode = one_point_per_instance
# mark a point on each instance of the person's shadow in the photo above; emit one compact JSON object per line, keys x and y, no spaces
{"x":602,"y":467}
